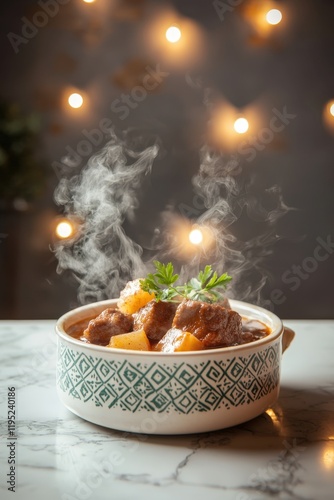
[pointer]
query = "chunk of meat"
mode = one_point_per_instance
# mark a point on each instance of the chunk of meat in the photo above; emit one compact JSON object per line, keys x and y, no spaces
{"x":225,"y":303}
{"x":109,"y":323}
{"x":155,"y":319}
{"x":213,"y":324}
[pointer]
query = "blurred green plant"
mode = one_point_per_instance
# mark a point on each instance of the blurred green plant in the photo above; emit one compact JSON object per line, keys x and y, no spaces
{"x":22,"y":175}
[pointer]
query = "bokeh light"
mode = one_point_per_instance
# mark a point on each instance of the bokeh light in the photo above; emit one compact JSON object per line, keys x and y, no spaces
{"x":64,"y":229}
{"x":75,"y":100}
{"x":275,"y":419}
{"x":241,"y":125}
{"x":263,"y":16}
{"x":89,"y":1}
{"x":328,"y":455}
{"x":173,"y":34}
{"x":328,"y":116}
{"x":196,"y":236}
{"x":331,"y":108}
{"x":274,"y":16}
{"x":176,"y":41}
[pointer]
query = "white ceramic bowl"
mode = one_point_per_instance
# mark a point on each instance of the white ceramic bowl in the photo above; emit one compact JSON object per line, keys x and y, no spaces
{"x":169,"y":393}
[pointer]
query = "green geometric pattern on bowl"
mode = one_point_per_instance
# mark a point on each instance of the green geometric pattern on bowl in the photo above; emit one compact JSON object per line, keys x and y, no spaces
{"x":180,"y":387}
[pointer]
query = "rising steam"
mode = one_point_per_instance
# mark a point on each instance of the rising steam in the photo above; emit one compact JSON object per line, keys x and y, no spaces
{"x":226,"y":198}
{"x":105,"y":194}
{"x":103,"y":257}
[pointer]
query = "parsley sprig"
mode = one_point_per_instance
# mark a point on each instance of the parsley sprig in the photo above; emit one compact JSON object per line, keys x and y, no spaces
{"x":206,"y":287}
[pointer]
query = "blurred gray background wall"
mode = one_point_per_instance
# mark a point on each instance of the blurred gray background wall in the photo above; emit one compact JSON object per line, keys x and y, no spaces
{"x":105,"y":50}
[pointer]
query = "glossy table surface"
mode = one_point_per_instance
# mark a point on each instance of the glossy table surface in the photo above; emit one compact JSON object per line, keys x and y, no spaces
{"x":286,"y":453}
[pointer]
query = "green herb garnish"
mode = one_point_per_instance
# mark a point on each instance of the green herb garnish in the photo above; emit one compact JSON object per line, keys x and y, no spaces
{"x":206,"y":287}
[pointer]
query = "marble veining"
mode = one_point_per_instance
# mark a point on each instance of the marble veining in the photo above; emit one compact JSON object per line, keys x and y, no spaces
{"x":286,"y":453}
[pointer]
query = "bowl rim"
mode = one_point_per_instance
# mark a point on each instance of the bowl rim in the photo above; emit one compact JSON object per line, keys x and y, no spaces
{"x":277,"y":331}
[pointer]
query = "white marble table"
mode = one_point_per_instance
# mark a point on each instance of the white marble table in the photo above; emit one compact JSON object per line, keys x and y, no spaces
{"x":286,"y":453}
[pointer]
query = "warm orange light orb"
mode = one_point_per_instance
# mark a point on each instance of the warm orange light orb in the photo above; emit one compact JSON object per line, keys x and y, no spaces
{"x":173,"y":34}
{"x":64,"y":229}
{"x":274,"y":16}
{"x":328,"y":116}
{"x":241,"y":125}
{"x":331,"y":108}
{"x":89,"y":1}
{"x":196,"y":236}
{"x":75,"y":100}
{"x":328,"y":455}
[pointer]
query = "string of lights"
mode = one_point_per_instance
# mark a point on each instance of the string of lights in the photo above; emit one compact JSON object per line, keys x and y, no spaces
{"x":227,"y":122}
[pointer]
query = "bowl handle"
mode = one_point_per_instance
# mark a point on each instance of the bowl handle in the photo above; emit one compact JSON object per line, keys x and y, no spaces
{"x":288,"y":336}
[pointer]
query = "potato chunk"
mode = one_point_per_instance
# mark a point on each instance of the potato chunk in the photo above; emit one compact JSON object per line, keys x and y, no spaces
{"x":176,"y":340}
{"x":137,"y":341}
{"x":132,"y":298}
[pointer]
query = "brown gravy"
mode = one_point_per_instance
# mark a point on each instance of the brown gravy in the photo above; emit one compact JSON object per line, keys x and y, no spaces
{"x":251,"y":330}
